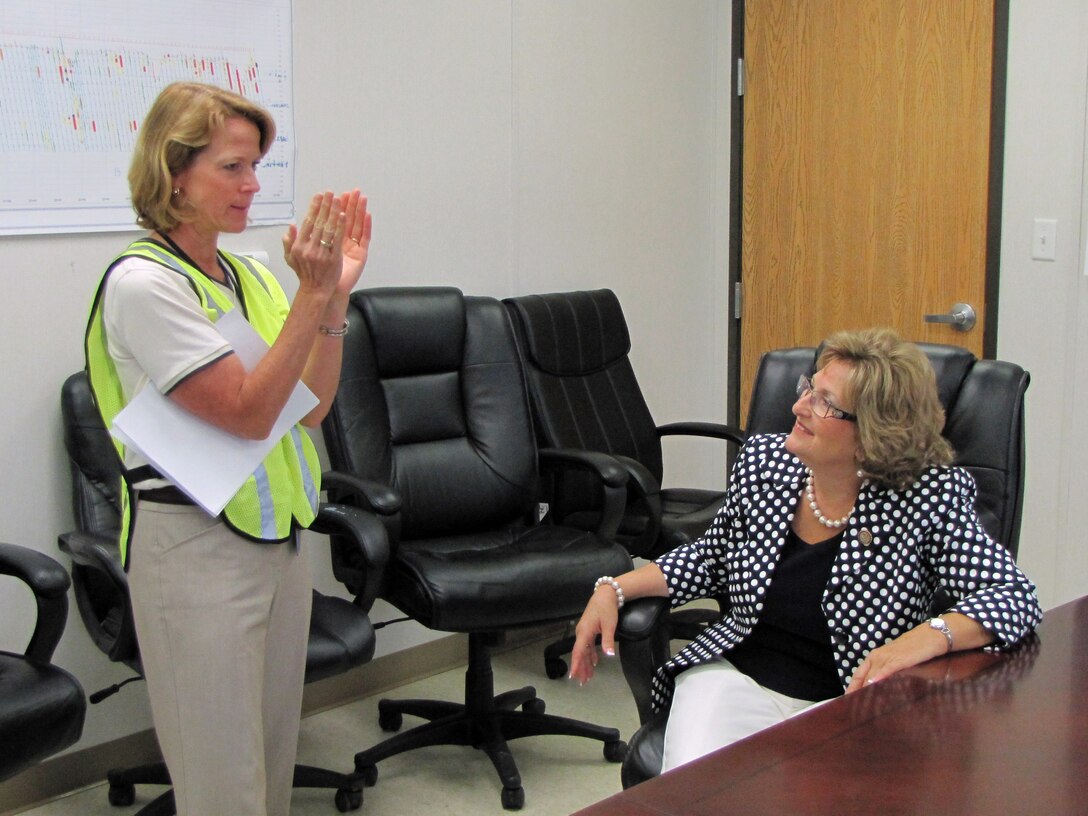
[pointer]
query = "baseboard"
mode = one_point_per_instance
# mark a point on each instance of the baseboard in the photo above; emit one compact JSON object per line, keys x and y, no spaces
{"x":75,"y":770}
{"x":82,"y":768}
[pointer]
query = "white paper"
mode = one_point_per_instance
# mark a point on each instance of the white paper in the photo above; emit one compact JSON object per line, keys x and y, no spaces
{"x":207,"y":463}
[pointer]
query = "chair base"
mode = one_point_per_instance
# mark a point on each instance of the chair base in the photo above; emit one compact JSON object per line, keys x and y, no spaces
{"x":486,"y":721}
{"x":122,"y":792}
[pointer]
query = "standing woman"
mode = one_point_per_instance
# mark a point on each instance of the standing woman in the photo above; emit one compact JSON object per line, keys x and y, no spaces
{"x":222,"y":604}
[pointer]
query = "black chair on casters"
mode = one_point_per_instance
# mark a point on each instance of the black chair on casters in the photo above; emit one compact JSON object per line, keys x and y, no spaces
{"x":431,"y":430}
{"x":42,"y":707}
{"x":984,"y":422}
{"x":341,"y":634}
{"x":585,"y":396}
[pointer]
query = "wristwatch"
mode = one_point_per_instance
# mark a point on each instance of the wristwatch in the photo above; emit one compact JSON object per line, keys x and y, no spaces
{"x":942,"y":627}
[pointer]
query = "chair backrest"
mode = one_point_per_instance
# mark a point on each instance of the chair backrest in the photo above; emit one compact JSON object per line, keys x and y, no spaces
{"x":584,"y":391}
{"x":92,"y":460}
{"x":984,"y":421}
{"x":432,"y":402}
{"x":774,"y":389}
{"x":985,"y":425}
{"x":96,"y":506}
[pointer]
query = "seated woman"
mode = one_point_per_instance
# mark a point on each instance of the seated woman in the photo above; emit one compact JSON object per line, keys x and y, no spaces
{"x":830,"y":547}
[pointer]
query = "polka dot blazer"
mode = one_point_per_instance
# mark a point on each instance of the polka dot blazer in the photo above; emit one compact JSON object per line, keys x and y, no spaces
{"x":899,"y":548}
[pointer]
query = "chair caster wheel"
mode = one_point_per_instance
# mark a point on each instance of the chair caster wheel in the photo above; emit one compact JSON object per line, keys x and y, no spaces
{"x":513,"y":798}
{"x":534,"y":706}
{"x":615,"y":751}
{"x":390,"y":720}
{"x":122,"y":795}
{"x":348,"y":799}
{"x":555,"y":667}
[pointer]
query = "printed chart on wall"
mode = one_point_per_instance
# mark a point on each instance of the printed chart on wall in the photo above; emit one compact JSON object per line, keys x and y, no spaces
{"x":76,"y":78}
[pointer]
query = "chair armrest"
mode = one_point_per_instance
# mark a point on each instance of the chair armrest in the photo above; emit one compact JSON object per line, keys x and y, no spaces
{"x":643,"y":634}
{"x":640,"y":478}
{"x":378,"y":497}
{"x":608,"y":469}
{"x":107,"y":619}
{"x":49,"y":582}
{"x":97,"y":552}
{"x":643,"y":496}
{"x":362,"y":539}
{"x":611,"y":474}
{"x":640,"y":618}
{"x":712,"y":430}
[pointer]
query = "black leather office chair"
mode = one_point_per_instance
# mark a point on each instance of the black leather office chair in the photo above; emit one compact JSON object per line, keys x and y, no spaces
{"x":431,"y":429}
{"x":984,"y":409}
{"x":341,"y":634}
{"x":42,"y":706}
{"x":585,"y":396}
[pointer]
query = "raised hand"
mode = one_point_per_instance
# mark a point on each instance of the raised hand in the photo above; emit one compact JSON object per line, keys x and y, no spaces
{"x":355,"y":245}
{"x":315,"y":251}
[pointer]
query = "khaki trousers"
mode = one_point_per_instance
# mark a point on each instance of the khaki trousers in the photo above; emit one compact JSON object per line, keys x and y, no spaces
{"x":222,"y":624}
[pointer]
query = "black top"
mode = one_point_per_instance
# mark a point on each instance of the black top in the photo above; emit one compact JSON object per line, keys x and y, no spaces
{"x":789,"y":650}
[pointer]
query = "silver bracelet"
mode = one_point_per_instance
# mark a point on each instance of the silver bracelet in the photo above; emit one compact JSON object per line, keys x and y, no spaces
{"x":335,"y":332}
{"x":612,"y":582}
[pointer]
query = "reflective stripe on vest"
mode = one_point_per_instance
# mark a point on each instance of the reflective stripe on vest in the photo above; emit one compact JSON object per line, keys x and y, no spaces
{"x":284,"y":489}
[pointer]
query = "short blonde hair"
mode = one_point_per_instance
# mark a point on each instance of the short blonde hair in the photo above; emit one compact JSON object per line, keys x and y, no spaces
{"x":178,"y":126}
{"x":893,"y":390}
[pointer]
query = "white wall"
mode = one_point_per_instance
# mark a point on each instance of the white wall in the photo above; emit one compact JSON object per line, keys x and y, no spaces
{"x":523,"y":146}
{"x":507,"y":148}
{"x":1043,"y":315}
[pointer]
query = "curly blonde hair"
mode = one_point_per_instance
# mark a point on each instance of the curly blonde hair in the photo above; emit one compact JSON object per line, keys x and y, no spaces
{"x":178,"y":126}
{"x":893,"y":390}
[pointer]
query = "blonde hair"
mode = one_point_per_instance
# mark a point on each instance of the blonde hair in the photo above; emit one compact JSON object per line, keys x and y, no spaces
{"x":893,"y":390}
{"x":178,"y":126}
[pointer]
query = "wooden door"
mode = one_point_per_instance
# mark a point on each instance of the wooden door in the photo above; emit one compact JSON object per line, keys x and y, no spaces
{"x":868,"y":196}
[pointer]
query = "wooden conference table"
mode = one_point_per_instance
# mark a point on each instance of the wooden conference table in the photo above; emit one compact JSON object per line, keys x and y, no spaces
{"x":971,"y":733}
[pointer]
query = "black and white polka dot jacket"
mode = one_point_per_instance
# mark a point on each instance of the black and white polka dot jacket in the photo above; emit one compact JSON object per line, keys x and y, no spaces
{"x":898,"y":549}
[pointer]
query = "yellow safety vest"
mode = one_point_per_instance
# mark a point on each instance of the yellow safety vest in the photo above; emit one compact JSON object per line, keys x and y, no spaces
{"x":283,"y":491}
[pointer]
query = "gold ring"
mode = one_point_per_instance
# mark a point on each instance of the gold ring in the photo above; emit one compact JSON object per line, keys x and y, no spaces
{"x":326,"y":244}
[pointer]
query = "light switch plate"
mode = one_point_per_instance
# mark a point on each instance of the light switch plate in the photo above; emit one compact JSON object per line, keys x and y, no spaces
{"x":1044,"y":238}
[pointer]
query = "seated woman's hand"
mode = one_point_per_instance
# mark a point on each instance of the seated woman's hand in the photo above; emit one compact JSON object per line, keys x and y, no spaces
{"x":598,"y":619}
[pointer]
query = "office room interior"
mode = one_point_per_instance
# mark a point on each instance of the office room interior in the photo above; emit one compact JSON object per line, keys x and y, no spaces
{"x":528,"y":146}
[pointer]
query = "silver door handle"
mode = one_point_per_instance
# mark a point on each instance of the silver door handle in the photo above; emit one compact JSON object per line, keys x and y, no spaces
{"x":962,"y":317}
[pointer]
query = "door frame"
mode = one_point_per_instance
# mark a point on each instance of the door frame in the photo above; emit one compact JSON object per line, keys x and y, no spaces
{"x":736,"y":184}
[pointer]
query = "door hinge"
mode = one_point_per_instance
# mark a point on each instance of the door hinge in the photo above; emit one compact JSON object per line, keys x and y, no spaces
{"x":740,"y":77}
{"x":737,"y":296}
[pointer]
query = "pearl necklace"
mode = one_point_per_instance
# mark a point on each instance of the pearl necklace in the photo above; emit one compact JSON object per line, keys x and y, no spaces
{"x":810,"y":494}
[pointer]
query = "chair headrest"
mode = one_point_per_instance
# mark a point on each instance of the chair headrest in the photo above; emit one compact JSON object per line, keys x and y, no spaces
{"x":951,"y":365}
{"x":591,"y":322}
{"x":395,"y":315}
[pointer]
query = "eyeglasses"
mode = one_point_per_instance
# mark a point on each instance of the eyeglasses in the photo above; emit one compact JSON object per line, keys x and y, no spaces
{"x":821,"y":405}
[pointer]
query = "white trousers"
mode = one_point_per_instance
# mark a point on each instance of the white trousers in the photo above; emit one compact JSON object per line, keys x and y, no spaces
{"x":222,"y":624}
{"x":715,"y":705}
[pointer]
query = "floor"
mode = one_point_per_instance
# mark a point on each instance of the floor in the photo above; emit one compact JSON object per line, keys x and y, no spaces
{"x":559,"y":774}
